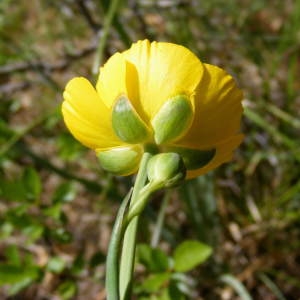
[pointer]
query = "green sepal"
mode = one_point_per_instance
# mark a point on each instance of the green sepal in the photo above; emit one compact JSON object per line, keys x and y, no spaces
{"x":167,"y":169}
{"x":164,"y":170}
{"x":127,"y":124}
{"x":120,"y":161}
{"x":173,"y":119}
{"x":194,"y":158}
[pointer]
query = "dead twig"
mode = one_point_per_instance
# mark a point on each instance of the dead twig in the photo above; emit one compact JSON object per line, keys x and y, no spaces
{"x":44,"y":66}
{"x":12,"y":87}
{"x":85,"y":12}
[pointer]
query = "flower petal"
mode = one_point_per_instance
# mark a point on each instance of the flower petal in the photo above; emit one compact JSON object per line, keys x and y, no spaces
{"x":112,"y":79}
{"x":118,"y":77}
{"x":218,"y":110}
{"x":163,"y":70}
{"x":86,"y":116}
{"x":224,"y":153}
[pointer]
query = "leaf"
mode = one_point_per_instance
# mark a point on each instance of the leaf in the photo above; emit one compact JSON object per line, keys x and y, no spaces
{"x":61,"y":235}
{"x":19,"y":286}
{"x":67,"y":290}
{"x":155,"y":260}
{"x":64,"y":193}
{"x":13,"y":256}
{"x":32,"y":184}
{"x":190,"y":254}
{"x":12,"y":190}
{"x":154,"y":282}
{"x":78,"y":265}
{"x":56,"y":264}
{"x":54,"y":211}
{"x":174,"y":292}
{"x":33,"y":232}
{"x":11,"y":274}
{"x":19,"y":217}
{"x":112,"y":260}
{"x":6,"y":230}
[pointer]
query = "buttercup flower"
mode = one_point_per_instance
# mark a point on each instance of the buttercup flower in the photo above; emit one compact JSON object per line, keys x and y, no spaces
{"x":159,"y":96}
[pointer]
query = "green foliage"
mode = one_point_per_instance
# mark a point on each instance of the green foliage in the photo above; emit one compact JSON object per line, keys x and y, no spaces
{"x":10,"y":274}
{"x":69,"y":149}
{"x":18,"y":272}
{"x":155,"y":260}
{"x":165,"y":274}
{"x":32,"y":184}
{"x":155,"y":282}
{"x":56,"y":264}
{"x":26,"y":188}
{"x":189,"y":254}
{"x":67,"y":290}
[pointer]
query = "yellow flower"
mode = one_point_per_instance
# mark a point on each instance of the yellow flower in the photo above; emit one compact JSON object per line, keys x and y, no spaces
{"x":157,"y":95}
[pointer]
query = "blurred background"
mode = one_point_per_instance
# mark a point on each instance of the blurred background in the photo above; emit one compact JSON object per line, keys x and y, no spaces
{"x":57,"y":205}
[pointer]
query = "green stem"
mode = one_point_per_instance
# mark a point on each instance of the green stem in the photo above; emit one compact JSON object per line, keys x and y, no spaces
{"x":160,"y":220}
{"x":129,"y":242}
{"x":104,"y":35}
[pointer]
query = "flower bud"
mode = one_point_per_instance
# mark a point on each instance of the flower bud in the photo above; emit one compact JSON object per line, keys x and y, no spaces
{"x":173,"y":119}
{"x":166,"y":170}
{"x":127,"y":124}
{"x":194,"y":159}
{"x":120,"y":161}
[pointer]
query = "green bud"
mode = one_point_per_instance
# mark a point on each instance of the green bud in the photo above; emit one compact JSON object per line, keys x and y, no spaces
{"x":127,"y":124}
{"x":173,"y":119}
{"x":120,"y":161}
{"x":193,"y":158}
{"x":166,"y":170}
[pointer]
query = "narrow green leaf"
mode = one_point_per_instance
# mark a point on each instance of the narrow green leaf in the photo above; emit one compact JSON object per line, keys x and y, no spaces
{"x":272,"y":286}
{"x":112,"y":260}
{"x":190,"y":254}
{"x":236,"y":285}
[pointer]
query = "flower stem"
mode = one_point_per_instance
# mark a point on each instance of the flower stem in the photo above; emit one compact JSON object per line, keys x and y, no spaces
{"x":160,"y":220}
{"x":129,"y":242}
{"x":104,"y":34}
